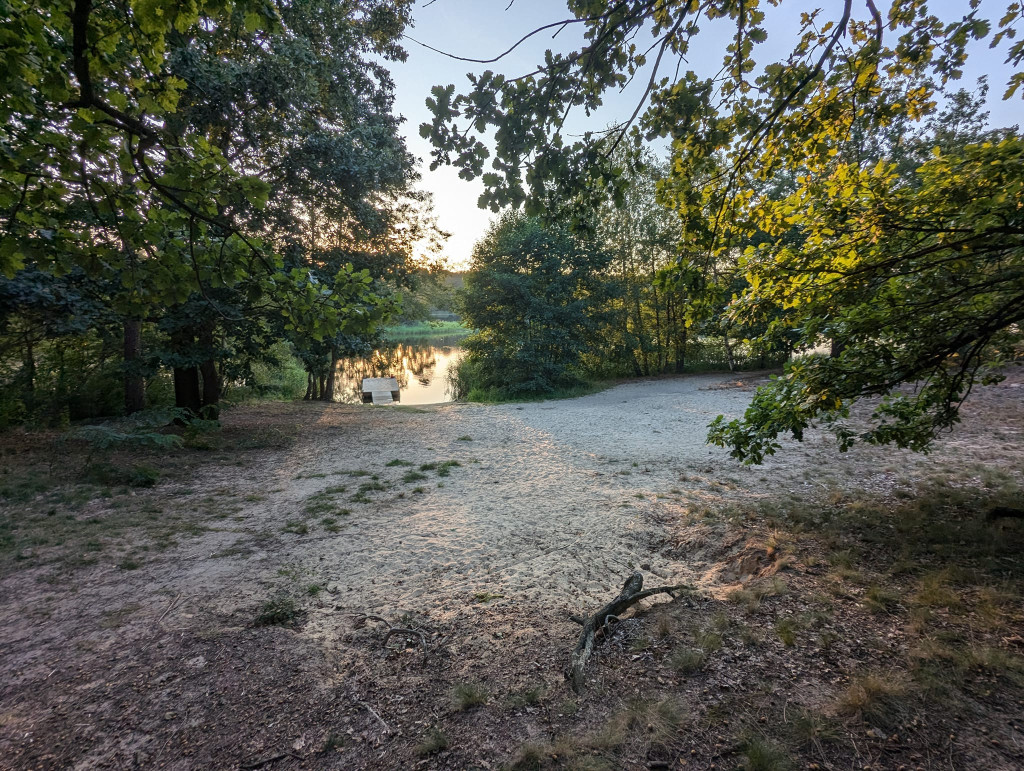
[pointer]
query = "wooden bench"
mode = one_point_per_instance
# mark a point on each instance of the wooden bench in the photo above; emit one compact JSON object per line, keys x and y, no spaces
{"x":380,"y":390}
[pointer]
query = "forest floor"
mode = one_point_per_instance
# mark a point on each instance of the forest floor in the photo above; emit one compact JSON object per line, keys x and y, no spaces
{"x":227,"y":605}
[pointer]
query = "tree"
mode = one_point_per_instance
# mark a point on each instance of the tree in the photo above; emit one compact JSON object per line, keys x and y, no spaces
{"x":35,"y":308}
{"x":140,"y":146}
{"x":871,"y":247}
{"x":305,"y":104}
{"x":648,"y":333}
{"x":537,"y":295}
{"x":95,"y":174}
{"x":922,"y":285}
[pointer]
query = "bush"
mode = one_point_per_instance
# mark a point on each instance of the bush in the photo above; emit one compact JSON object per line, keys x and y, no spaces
{"x":279,"y":376}
{"x":279,"y":610}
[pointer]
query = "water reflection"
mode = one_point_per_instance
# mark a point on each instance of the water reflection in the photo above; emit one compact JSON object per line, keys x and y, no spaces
{"x":421,"y":369}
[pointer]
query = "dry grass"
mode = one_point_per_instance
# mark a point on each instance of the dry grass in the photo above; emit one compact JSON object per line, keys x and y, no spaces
{"x":435,"y":741}
{"x":877,"y":699}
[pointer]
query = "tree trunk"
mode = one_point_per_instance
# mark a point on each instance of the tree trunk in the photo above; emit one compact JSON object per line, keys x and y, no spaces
{"x":328,"y":394}
{"x":134,"y":384}
{"x":211,"y":382}
{"x":628,"y":352}
{"x":187,"y":395}
{"x":681,"y":351}
{"x":641,"y":335}
{"x":728,"y":352}
{"x":662,"y":348}
{"x":310,"y":387}
{"x":30,"y":374}
{"x":837,"y":348}
{"x":211,"y":388}
{"x":211,"y":379}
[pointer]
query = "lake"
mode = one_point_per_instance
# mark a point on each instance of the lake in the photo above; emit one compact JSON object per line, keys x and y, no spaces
{"x":420,"y":366}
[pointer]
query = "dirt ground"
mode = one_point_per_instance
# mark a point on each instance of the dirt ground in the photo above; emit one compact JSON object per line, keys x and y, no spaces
{"x":229,"y":605}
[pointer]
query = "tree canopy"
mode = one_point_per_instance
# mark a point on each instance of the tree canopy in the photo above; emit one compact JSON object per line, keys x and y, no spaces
{"x":808,"y":176}
{"x":228,"y":169}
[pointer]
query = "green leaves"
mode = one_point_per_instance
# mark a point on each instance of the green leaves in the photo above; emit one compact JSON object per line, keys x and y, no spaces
{"x":918,"y":284}
{"x":809,"y":207}
{"x":536,"y":294}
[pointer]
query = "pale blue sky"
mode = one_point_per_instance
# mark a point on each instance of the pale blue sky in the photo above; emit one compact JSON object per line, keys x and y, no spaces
{"x":482,"y":28}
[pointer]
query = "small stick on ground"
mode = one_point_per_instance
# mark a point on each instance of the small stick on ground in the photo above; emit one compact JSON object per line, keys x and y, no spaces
{"x":170,"y":607}
{"x":380,"y":720}
{"x":632,"y":592}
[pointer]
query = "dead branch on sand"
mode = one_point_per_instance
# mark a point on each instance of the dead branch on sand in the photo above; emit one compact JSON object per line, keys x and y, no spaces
{"x":632,"y":592}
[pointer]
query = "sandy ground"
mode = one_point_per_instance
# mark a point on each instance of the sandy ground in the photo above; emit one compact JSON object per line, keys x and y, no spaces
{"x":552,"y":502}
{"x":550,"y":507}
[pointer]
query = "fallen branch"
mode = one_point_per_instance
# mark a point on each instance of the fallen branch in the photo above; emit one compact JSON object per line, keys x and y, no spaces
{"x":632,"y":592}
{"x":170,"y":607}
{"x":397,"y":630}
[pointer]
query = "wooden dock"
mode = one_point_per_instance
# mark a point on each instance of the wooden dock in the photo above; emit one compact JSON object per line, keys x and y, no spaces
{"x":380,"y":390}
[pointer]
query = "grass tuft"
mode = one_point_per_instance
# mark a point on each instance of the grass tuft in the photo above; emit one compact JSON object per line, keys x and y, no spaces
{"x":445,"y":469}
{"x":528,"y":697}
{"x":760,"y":754}
{"x":485,"y":597}
{"x":785,"y":629}
{"x":432,"y":743}
{"x":687,"y":660}
{"x":879,"y":599}
{"x":466,"y":696}
{"x":875,"y":699}
{"x":280,"y":610}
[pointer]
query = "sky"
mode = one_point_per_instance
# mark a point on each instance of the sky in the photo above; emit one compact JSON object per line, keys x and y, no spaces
{"x":482,"y":28}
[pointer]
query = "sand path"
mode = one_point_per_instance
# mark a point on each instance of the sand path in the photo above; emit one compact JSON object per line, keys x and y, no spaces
{"x":552,"y":502}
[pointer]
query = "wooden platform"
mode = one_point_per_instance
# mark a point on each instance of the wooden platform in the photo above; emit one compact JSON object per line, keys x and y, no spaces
{"x":380,"y":390}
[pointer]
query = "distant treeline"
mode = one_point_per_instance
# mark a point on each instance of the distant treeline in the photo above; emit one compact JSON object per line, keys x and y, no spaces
{"x":558,"y":307}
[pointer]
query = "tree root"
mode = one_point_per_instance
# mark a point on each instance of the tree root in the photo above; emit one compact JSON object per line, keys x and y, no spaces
{"x":632,"y":592}
{"x":403,"y":631}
